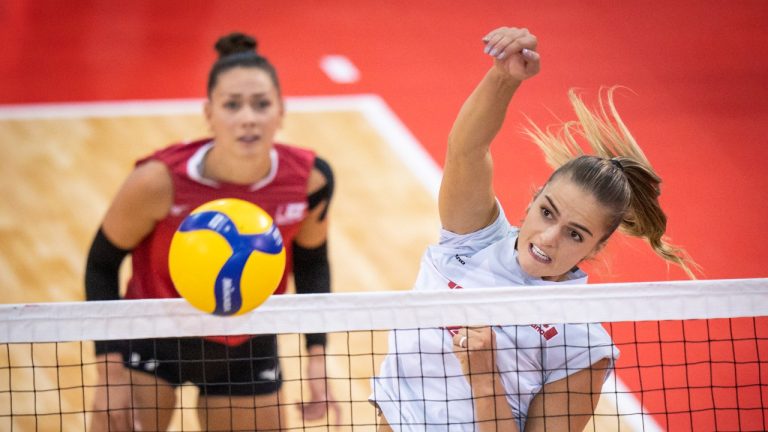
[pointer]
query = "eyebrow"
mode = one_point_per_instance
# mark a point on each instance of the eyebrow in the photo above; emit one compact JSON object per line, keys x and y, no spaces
{"x":240,"y":95}
{"x":557,"y":212}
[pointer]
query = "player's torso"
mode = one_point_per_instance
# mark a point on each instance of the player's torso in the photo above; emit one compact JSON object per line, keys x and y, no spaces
{"x":520,"y":348}
{"x":282,"y":194}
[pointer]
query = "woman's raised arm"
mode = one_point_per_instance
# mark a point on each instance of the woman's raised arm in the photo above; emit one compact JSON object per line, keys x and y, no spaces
{"x":467,"y":202}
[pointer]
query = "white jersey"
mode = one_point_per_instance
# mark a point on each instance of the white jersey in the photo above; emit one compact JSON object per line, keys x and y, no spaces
{"x":421,"y":386}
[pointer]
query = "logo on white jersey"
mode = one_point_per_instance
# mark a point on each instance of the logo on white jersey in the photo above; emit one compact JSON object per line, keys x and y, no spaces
{"x":546,"y":330}
{"x":454,"y":330}
{"x":290,"y":213}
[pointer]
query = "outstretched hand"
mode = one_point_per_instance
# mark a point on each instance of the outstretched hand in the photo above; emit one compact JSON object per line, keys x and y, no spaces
{"x":321,"y":401}
{"x":112,"y":399}
{"x":514,"y":51}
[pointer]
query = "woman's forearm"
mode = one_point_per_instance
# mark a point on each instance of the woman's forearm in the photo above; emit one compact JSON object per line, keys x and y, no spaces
{"x":482,"y":114}
{"x":467,"y":201}
{"x":492,"y":411}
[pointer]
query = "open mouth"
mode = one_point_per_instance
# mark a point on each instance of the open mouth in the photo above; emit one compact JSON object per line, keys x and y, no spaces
{"x":249,"y":139}
{"x":539,"y":254}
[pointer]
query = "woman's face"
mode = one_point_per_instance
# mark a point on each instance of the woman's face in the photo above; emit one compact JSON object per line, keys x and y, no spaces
{"x":244,"y":111}
{"x":563,"y":226}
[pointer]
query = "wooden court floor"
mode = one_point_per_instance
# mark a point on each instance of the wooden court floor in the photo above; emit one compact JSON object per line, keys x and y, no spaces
{"x":61,"y":170}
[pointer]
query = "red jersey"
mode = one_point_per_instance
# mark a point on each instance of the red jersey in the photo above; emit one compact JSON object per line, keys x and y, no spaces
{"x":282,"y":194}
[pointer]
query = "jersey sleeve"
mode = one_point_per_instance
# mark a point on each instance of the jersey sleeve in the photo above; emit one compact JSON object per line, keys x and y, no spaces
{"x":580,"y":346}
{"x":469,"y":244}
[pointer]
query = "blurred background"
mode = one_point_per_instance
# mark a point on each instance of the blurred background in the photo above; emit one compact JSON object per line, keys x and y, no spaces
{"x":697,"y":71}
{"x":696,"y":99}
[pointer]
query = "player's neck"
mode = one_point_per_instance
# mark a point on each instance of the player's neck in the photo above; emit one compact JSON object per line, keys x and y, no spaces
{"x":236,"y":170}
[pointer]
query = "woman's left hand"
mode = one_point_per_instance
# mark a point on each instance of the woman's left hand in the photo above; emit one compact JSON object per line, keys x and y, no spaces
{"x":475,"y":348}
{"x":321,"y":400}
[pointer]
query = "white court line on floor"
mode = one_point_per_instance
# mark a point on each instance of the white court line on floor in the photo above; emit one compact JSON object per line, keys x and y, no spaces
{"x":373,"y":107}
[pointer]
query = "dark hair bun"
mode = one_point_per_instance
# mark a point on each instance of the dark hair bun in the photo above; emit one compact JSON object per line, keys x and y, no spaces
{"x":234,"y":43}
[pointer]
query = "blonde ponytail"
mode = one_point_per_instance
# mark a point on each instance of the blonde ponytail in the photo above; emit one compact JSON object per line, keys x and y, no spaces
{"x":614,"y":168}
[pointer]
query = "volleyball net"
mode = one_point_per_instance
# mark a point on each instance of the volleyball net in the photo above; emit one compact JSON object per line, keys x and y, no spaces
{"x":689,"y":355}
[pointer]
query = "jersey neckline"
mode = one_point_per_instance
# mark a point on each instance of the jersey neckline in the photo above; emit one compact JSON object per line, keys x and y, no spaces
{"x":195,"y":169}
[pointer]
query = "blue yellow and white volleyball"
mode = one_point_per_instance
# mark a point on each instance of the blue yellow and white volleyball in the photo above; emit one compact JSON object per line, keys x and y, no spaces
{"x":227,"y":257}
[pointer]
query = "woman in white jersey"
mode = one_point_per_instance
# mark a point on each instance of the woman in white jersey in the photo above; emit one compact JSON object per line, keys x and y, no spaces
{"x":537,"y":377}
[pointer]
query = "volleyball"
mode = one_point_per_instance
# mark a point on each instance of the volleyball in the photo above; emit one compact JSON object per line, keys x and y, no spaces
{"x":227,"y":257}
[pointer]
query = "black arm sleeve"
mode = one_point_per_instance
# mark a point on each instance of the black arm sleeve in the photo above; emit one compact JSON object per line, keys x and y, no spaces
{"x":312,"y":275}
{"x":102,"y":280}
{"x":326,"y":192}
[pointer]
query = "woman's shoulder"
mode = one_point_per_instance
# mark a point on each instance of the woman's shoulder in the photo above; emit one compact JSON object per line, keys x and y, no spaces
{"x":176,"y":152}
{"x":306,"y":164}
{"x":153,"y":177}
{"x":293,"y":159}
{"x":294,"y":151}
{"x":498,"y":230}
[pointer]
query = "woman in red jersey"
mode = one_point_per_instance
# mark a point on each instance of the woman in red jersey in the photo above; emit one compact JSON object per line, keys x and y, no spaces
{"x":240,"y":377}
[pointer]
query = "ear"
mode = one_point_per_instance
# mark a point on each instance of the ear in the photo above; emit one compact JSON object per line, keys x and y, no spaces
{"x":282,"y":113}
{"x":208,"y":113}
{"x":208,"y":110}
